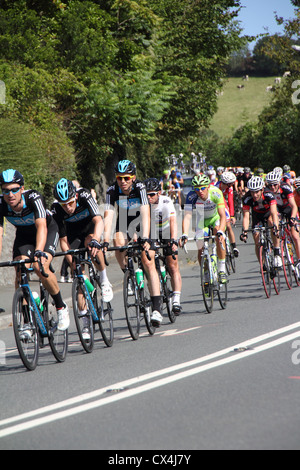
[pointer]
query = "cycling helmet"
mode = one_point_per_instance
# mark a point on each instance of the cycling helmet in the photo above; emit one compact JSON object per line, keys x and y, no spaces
{"x":278,"y":169}
{"x":286,"y":168}
{"x":220,"y":169}
{"x":152,"y":184}
{"x":201,"y":180}
{"x":11,"y":176}
{"x":125,"y":166}
{"x":228,"y":177}
{"x":297,"y":183}
{"x":256,"y":183}
{"x":273,"y":177}
{"x":64,"y":190}
{"x":247,"y":169}
{"x":259,"y":171}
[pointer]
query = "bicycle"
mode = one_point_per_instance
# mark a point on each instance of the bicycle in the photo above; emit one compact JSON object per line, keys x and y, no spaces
{"x":209,"y":275}
{"x":165,"y":281}
{"x":290,"y":260}
{"x":230,"y":258}
{"x":269,"y":272}
{"x":34,"y":320}
{"x":88,"y":306}
{"x":136,"y":296}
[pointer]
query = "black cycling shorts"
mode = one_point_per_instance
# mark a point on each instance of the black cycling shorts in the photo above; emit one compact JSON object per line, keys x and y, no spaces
{"x":26,"y":247}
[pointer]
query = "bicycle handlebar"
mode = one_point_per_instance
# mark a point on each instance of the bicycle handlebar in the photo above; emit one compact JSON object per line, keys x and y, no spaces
{"x":24,"y":261}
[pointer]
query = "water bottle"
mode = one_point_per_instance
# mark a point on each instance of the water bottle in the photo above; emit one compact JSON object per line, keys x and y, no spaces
{"x":214,"y":263}
{"x":37,"y":299}
{"x":163,"y":272}
{"x":139,"y":277}
{"x":88,"y":284}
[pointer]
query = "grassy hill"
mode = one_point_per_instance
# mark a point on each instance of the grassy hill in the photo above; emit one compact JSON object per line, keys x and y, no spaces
{"x":238,"y":106}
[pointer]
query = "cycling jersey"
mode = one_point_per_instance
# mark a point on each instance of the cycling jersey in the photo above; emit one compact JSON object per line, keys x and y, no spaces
{"x":127,"y":206}
{"x":24,"y":221}
{"x":160,"y":218}
{"x":284,"y":194}
{"x":79,"y":224}
{"x":259,"y":207}
{"x":228,"y":198}
{"x":207,"y":212}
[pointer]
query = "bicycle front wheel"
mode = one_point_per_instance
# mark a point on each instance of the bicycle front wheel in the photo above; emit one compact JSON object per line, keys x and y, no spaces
{"x":58,"y":340}
{"x":222,"y":294}
{"x":167,"y":298}
{"x":25,"y":330}
{"x":265,"y":271}
{"x":131,"y":305}
{"x":206,"y":284}
{"x":82,"y":315}
{"x":286,"y":263}
{"x":146,"y":306}
{"x":104,"y":311}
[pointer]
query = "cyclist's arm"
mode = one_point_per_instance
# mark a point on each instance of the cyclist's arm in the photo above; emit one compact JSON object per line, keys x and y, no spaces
{"x":294,"y":206}
{"x":98,"y":227}
{"x":246,"y":219}
{"x":173,"y":227}
{"x":186,"y":222}
{"x":108,"y":220}
{"x":222,"y":214}
{"x":41,"y":234}
{"x":65,"y":246}
{"x":274,"y":214}
{"x":1,"y":238}
{"x":145,"y":215}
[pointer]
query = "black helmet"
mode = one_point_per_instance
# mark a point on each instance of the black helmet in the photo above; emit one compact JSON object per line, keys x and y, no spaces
{"x":152,"y":184}
{"x":125,"y":166}
{"x":64,"y":190}
{"x":11,"y":176}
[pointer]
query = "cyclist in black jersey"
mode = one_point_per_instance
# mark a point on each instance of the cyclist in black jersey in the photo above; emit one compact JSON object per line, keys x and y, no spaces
{"x":36,"y":233}
{"x":129,"y":198}
{"x":80,"y":225}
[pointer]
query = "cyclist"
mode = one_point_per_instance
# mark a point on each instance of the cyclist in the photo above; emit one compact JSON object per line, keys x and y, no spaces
{"x":36,"y":233}
{"x":80,"y":225}
{"x":164,"y":227}
{"x":129,"y":197}
{"x":263,"y":205}
{"x":210,"y":212}
{"x":226,"y":185}
{"x":175,"y":183}
{"x":286,"y":204}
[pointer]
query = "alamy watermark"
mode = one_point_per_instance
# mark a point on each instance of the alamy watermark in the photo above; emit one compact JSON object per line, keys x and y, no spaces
{"x":296,"y":354}
{"x":2,"y":92}
{"x":2,"y":353}
{"x":295,"y":95}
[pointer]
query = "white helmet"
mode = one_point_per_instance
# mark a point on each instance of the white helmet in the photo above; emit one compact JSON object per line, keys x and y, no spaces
{"x":297,"y":182}
{"x":256,"y":183}
{"x":273,"y":177}
{"x":279,"y":170}
{"x":228,"y":177}
{"x":220,"y":169}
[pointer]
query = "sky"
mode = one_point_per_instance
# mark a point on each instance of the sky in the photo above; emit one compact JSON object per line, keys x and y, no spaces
{"x":259,"y":14}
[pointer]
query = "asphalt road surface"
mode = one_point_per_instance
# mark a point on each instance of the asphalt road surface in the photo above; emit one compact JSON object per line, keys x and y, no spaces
{"x":225,"y":380}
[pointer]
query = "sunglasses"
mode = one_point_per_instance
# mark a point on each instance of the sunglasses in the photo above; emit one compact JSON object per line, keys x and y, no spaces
{"x":13,"y":191}
{"x":70,"y":201}
{"x":125,"y":178}
{"x":272,"y":184}
{"x":202,"y":188}
{"x":151,"y":194}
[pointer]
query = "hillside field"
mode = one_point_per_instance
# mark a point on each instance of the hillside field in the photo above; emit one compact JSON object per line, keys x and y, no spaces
{"x":238,"y":106}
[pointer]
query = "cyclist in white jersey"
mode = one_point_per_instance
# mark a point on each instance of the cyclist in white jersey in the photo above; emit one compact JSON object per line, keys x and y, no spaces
{"x":164,"y":228}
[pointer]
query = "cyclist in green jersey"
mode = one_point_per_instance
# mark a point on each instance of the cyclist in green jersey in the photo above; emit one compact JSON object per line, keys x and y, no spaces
{"x":210,"y":212}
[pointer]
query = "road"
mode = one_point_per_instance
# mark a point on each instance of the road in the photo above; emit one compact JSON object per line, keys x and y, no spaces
{"x":225,"y":380}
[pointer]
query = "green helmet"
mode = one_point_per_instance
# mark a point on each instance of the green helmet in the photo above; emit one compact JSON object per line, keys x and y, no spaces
{"x":200,"y":180}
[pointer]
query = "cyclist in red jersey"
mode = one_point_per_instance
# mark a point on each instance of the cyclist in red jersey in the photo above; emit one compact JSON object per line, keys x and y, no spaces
{"x":263,"y":205}
{"x":226,"y":183}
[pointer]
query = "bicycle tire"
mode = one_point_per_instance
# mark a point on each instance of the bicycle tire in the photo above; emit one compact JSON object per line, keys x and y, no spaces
{"x":58,"y":340}
{"x":207,"y":287}
{"x":265,"y":271}
{"x":28,"y":349}
{"x":222,"y":293}
{"x":293,"y":259}
{"x":146,"y":306}
{"x":131,"y":305}
{"x":167,"y":298}
{"x":286,"y":263}
{"x":104,"y":311}
{"x":85,"y":320}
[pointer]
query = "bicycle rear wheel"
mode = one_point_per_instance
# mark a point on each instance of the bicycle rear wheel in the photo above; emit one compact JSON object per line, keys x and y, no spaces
{"x":82,"y":315}
{"x":104,"y":312}
{"x":293,"y":259}
{"x":286,"y":263}
{"x":265,"y":271}
{"x":25,"y":329}
{"x":167,"y":297}
{"x":222,"y":294}
{"x":206,"y":284}
{"x":58,"y":340}
{"x":131,"y":305}
{"x":146,"y":306}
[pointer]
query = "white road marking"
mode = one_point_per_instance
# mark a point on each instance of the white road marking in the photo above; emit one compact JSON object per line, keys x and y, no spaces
{"x":125,"y":393}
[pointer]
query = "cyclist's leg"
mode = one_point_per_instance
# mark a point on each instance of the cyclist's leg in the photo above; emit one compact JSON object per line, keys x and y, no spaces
{"x":106,"y":287}
{"x":176,"y":281}
{"x":154,"y":286}
{"x":121,"y":239}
